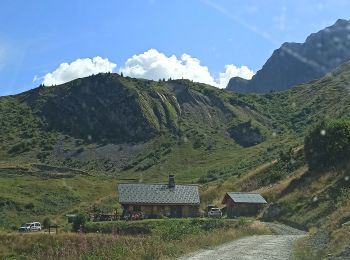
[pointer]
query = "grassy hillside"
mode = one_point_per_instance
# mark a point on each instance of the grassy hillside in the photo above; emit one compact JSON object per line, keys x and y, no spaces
{"x":29,"y":194}
{"x":123,"y":126}
{"x":303,"y":192}
{"x":301,"y":107}
{"x":317,"y":201}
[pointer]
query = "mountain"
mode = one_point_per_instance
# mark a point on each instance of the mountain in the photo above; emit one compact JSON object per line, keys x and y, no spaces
{"x":296,"y":63}
{"x":111,"y":123}
{"x":121,"y":125}
{"x":115,"y":124}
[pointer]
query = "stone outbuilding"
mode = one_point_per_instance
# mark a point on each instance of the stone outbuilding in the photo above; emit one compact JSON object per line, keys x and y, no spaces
{"x":243,"y":203}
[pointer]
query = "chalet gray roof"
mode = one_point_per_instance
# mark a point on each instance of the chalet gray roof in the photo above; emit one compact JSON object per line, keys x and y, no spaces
{"x":158,"y":194}
{"x":246,"y":197}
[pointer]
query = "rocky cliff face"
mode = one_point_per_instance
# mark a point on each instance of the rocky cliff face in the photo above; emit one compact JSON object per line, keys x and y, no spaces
{"x":295,"y":63}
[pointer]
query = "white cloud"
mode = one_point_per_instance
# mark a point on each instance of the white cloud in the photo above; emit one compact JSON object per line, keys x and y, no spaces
{"x":233,"y":71}
{"x":151,"y":64}
{"x":77,"y":69}
{"x":155,"y":65}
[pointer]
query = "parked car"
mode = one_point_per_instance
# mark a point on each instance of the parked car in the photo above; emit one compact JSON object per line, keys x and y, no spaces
{"x":214,"y":213}
{"x":137,"y":216}
{"x":30,"y":227}
{"x":133,"y":216}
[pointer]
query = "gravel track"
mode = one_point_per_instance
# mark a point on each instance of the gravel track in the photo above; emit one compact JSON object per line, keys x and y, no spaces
{"x":269,"y":247}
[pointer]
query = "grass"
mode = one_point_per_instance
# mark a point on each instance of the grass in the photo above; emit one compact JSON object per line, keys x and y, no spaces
{"x":319,"y":202}
{"x":117,"y":246}
{"x":313,"y":247}
{"x":316,"y":200}
{"x":25,"y":197}
{"x":303,"y":251}
{"x":264,"y":176}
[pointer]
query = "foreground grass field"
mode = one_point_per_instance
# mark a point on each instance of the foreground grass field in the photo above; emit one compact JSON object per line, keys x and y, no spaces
{"x":161,"y":239}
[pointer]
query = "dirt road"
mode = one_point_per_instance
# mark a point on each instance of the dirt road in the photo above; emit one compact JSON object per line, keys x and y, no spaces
{"x":277,"y":246}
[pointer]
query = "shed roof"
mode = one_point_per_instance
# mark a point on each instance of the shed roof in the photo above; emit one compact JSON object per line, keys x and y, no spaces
{"x":245,"y":197}
{"x":158,"y":194}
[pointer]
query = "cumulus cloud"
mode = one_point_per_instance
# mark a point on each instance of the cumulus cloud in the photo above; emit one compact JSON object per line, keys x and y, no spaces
{"x":155,"y":65}
{"x":77,"y":69}
{"x":152,"y":65}
{"x":233,"y":71}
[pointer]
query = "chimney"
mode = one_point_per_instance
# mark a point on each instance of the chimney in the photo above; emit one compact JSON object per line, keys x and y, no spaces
{"x":171,"y":183}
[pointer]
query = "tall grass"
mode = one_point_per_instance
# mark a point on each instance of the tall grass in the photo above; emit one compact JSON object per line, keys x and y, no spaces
{"x":115,"y":246}
{"x":302,"y":250}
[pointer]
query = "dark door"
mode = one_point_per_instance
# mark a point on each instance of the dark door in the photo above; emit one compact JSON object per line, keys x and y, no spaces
{"x":179,"y":212}
{"x":173,"y":211}
{"x":176,"y":211}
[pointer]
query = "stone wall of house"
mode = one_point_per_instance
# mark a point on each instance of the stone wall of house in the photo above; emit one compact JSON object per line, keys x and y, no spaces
{"x":241,"y":209}
{"x":153,"y":211}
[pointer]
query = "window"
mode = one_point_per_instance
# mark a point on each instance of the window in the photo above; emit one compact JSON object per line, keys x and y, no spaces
{"x":137,"y":208}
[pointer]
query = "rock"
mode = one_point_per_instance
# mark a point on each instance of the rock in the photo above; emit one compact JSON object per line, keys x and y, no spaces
{"x":346,"y":223}
{"x":272,"y":212}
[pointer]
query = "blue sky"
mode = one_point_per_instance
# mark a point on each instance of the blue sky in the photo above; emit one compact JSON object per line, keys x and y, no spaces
{"x":37,"y":36}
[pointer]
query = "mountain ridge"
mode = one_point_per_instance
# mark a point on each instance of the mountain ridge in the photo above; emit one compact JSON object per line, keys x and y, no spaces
{"x":296,"y":63}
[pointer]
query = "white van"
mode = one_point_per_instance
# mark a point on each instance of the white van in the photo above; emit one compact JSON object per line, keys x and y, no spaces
{"x":29,"y":227}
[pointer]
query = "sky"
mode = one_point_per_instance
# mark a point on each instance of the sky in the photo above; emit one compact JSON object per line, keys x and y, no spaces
{"x":52,"y":42}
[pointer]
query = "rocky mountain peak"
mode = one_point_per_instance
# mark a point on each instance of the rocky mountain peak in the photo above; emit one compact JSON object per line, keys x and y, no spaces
{"x":296,"y":63}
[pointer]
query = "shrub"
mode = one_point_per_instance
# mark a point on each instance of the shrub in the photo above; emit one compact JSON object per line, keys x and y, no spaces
{"x":328,"y":144}
{"x":21,"y":147}
{"x":46,"y":223}
{"x":42,"y":155}
{"x":29,"y":206}
{"x":242,"y":222}
{"x":286,"y":155}
{"x":79,"y":222}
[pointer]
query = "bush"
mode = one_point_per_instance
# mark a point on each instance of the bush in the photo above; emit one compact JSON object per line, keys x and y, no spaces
{"x":328,"y":144}
{"x":79,"y":222}
{"x":286,"y":155}
{"x":42,"y":156}
{"x":164,"y":229}
{"x":29,"y":206}
{"x":21,"y":147}
{"x":46,"y":223}
{"x":242,"y":222}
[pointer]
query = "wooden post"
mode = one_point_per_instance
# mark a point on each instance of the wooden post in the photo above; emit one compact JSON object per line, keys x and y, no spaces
{"x":55,"y":227}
